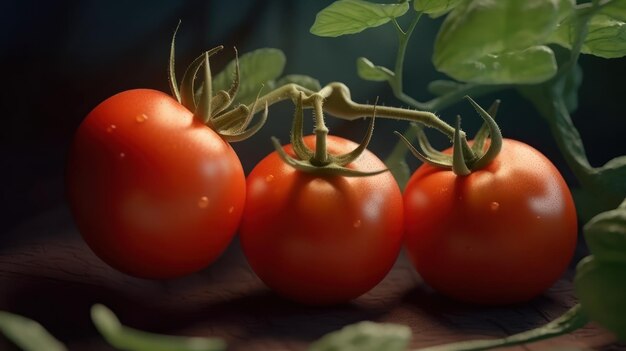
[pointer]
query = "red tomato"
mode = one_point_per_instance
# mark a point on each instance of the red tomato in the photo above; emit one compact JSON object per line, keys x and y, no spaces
{"x":320,"y":239}
{"x":154,"y":192}
{"x":502,"y":234}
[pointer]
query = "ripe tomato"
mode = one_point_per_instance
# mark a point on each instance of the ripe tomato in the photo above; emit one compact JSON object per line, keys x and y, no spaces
{"x":502,"y":234}
{"x":154,"y":192}
{"x":321,"y":239}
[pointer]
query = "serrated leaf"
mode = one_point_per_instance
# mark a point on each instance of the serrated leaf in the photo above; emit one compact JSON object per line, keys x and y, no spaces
{"x":498,"y":42}
{"x":435,"y":8}
{"x":129,"y":339}
{"x":257,"y":68}
{"x":28,"y":334}
{"x":300,"y":79}
{"x":353,"y":16}
{"x":368,"y":71}
{"x":365,"y":336}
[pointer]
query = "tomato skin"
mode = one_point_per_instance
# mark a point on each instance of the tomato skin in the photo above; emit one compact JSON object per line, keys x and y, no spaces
{"x":154,"y":192}
{"x":501,"y":235}
{"x":317,"y":239}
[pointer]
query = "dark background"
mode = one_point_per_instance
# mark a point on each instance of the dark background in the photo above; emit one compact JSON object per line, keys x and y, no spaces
{"x":59,"y":59}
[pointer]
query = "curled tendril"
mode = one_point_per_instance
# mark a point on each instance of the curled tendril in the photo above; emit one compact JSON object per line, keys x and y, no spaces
{"x":232,"y":124}
{"x":464,"y":159}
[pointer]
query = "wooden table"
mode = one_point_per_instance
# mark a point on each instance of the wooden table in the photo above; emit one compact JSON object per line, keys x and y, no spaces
{"x":47,"y":273}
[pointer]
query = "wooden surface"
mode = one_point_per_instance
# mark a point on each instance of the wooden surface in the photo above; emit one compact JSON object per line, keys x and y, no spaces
{"x":47,"y":273}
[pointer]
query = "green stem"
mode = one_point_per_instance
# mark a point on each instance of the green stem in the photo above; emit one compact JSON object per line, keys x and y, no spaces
{"x":571,"y":320}
{"x":396,"y":82}
{"x":321,"y":132}
{"x":568,"y":139}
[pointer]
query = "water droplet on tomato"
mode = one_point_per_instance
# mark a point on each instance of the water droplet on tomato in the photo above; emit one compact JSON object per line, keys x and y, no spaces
{"x":269,"y":178}
{"x":494,"y":206}
{"x":231,"y":209}
{"x":141,"y":118}
{"x":111,"y":128}
{"x":538,"y":217}
{"x":122,"y":155}
{"x":203,"y":202}
{"x":357,"y":223}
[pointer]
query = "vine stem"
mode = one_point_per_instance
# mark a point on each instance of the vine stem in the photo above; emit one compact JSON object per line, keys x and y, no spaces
{"x":567,"y":137}
{"x":337,"y":102}
{"x":396,"y":82}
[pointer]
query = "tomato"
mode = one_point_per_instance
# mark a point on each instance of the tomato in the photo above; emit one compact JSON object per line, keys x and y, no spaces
{"x":501,"y":235}
{"x":321,"y":239}
{"x":154,"y":192}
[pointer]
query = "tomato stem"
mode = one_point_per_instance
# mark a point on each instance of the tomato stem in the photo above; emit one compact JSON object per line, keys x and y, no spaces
{"x":321,"y":131}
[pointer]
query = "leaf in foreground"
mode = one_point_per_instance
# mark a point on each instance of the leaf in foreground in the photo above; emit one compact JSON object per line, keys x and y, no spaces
{"x":365,"y":336}
{"x":129,"y":339}
{"x":28,"y":334}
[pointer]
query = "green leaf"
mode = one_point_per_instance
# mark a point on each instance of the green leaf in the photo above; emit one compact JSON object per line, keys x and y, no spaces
{"x":302,"y":80}
{"x":435,"y":8}
{"x":353,"y":16}
{"x":365,"y":336}
{"x":125,"y":338}
{"x":498,"y":42}
{"x":615,"y":9}
{"x":443,"y":87}
{"x":606,"y":235}
{"x":533,"y":65}
{"x":258,"y":68}
{"x":601,"y":289}
{"x":368,"y":71}
{"x":28,"y":334}
{"x":606,"y":37}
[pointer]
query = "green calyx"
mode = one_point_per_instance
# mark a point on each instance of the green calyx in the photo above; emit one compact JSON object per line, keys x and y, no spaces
{"x":319,"y":161}
{"x":465,"y":158}
{"x":214,"y":109}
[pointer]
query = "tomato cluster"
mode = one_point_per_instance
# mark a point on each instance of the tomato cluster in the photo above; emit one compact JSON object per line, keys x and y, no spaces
{"x":158,"y":194}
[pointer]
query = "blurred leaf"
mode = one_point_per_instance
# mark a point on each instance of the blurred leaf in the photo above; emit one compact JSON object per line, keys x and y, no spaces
{"x":300,"y":79}
{"x":28,"y":334}
{"x":572,"y":83}
{"x":365,"y":336}
{"x":498,"y":42}
{"x":601,"y":288}
{"x":615,"y":9}
{"x":435,"y":8}
{"x":124,"y":338}
{"x":353,"y":16}
{"x":368,"y":71}
{"x":605,"y":235}
{"x":532,"y":65}
{"x":443,"y":87}
{"x":257,"y":68}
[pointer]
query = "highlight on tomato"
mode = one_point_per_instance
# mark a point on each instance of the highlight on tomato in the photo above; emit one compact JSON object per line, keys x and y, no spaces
{"x":501,"y":232}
